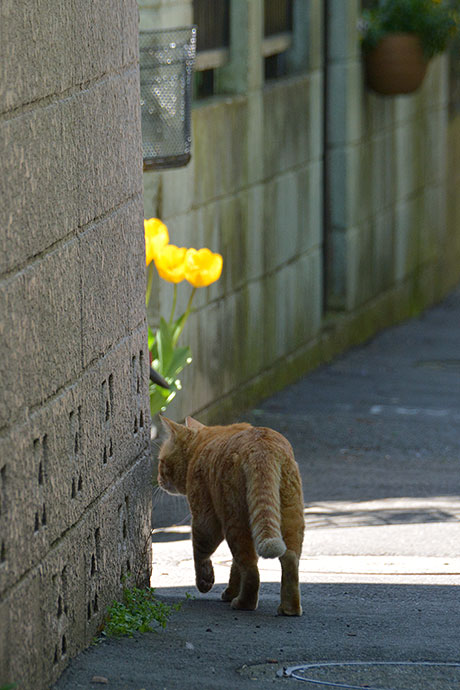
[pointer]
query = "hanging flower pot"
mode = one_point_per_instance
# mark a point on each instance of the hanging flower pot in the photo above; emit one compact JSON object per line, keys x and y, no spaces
{"x":399,"y":37}
{"x":396,"y":65}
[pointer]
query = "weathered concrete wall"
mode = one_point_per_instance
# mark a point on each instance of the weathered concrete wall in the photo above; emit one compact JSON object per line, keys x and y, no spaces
{"x":386,"y":160}
{"x":165,"y":14}
{"x":452,"y":240}
{"x":74,"y":417}
{"x":254,"y":191}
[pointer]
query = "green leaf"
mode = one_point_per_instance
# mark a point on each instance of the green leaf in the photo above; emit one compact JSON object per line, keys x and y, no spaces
{"x":180,"y":358}
{"x":178,"y":326}
{"x":165,"y":346}
{"x":151,"y":340}
{"x":167,"y":359}
{"x":160,"y":398}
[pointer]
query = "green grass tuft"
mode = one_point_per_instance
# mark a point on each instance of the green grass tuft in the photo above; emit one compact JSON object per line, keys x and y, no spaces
{"x":138,"y":612}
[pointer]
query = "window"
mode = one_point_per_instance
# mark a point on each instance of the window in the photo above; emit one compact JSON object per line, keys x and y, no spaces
{"x":212,"y":18}
{"x":277,"y":36}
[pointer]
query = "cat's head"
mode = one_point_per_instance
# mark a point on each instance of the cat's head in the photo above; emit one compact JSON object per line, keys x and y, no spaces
{"x":174,"y":454}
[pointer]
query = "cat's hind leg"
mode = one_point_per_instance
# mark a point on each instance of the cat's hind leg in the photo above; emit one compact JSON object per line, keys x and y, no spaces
{"x":245,"y":570}
{"x":292,"y":529}
{"x":290,"y":591}
{"x":206,"y":537}
{"x":233,"y":588}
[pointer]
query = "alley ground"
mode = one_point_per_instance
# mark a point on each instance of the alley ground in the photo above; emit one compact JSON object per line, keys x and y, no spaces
{"x":377,"y":437}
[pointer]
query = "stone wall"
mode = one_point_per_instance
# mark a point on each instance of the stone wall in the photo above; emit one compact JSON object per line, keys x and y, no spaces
{"x":329,"y":204}
{"x":74,"y":418}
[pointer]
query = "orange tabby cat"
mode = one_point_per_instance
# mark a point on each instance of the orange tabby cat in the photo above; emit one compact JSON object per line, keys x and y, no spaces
{"x":242,"y":484}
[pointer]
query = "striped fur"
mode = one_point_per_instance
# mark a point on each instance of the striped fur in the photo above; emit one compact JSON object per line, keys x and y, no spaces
{"x":242,"y":484}
{"x":263,"y":498}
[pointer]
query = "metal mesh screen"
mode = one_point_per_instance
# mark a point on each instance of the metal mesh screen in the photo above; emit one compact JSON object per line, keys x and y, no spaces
{"x":166,"y":67}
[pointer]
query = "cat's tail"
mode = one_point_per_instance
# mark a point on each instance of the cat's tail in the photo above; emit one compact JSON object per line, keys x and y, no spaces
{"x":263,"y":497}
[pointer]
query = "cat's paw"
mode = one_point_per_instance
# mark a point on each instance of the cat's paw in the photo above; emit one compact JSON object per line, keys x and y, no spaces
{"x":242,"y":605}
{"x":228,"y":594}
{"x":204,"y":585}
{"x":285,"y":610}
{"x":205,"y":577}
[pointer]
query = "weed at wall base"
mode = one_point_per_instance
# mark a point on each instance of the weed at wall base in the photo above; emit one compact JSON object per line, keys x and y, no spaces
{"x":139,"y":611}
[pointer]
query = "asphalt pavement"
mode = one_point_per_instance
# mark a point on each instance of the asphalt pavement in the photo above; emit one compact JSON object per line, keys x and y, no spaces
{"x":376,"y":434}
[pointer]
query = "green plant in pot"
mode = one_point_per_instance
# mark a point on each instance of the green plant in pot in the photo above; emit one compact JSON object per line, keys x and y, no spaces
{"x":399,"y":37}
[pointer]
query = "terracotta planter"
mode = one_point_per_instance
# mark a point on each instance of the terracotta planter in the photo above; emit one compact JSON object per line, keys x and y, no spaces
{"x":396,"y":65}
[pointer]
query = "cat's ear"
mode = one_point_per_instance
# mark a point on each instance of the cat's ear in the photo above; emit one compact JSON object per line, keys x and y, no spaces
{"x":191,"y":423}
{"x":171,"y":427}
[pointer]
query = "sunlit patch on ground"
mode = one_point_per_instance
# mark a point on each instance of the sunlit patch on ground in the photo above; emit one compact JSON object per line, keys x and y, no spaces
{"x":363,"y":542}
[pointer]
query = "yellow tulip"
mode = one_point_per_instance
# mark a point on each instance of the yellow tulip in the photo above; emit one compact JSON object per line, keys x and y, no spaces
{"x":169,"y":261}
{"x":156,"y":237}
{"x":202,"y":267}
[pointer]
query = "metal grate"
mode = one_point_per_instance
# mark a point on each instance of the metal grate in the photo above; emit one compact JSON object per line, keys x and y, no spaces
{"x":166,"y":67}
{"x":212,"y":17}
{"x":277,"y":17}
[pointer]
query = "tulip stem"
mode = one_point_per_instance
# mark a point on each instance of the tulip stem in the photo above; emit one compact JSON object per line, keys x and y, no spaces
{"x":189,"y":305}
{"x":184,"y":317}
{"x":149,"y":283}
{"x":173,"y":309}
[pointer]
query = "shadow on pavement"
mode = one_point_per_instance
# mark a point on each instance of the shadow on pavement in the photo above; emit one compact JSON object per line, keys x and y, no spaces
{"x":208,"y":645}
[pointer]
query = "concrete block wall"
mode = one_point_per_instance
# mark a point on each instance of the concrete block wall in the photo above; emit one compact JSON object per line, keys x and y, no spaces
{"x":74,"y":417}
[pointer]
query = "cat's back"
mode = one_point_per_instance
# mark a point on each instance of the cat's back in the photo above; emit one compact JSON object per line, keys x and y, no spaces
{"x":242,"y":443}
{"x":259,"y":440}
